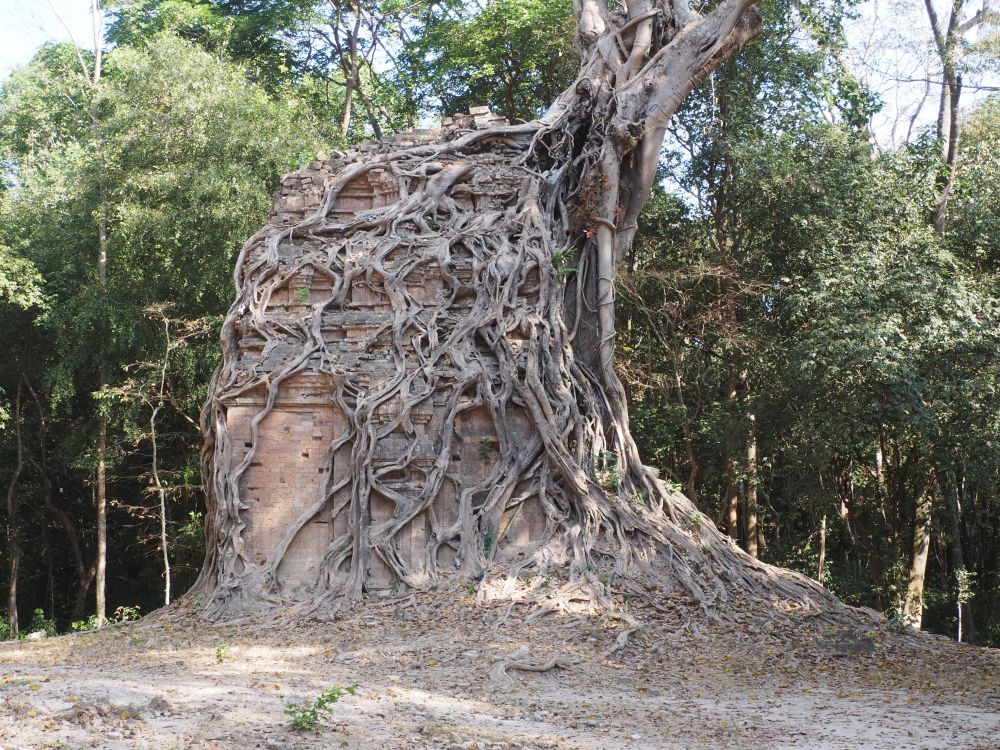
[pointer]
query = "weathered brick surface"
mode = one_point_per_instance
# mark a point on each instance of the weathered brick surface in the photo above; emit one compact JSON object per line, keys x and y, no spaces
{"x":294,"y":465}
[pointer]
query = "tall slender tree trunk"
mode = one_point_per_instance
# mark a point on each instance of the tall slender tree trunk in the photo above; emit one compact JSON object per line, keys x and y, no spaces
{"x":13,"y":530}
{"x":102,"y":275}
{"x":162,"y":495}
{"x":352,"y":71}
{"x":956,"y":555}
{"x":821,"y":564}
{"x":693,"y":467}
{"x":731,"y":508}
{"x":751,"y":483}
{"x":951,"y":93}
{"x":844,"y":514}
{"x":160,"y":489}
{"x":913,"y":606}
{"x":102,"y":515}
{"x":879,"y":467}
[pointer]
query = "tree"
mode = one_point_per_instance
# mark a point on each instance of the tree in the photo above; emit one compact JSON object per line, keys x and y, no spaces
{"x":190,"y":151}
{"x":101,"y":483}
{"x":150,"y":388}
{"x":335,"y":54}
{"x":258,"y":35}
{"x":951,"y":47}
{"x":952,"y":50}
{"x":514,"y":55}
{"x":723,"y":132}
{"x":581,"y":174}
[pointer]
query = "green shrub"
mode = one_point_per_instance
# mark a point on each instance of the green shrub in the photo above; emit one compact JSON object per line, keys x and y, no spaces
{"x":122,"y":614}
{"x":40,"y":623}
{"x":79,"y":626}
{"x":306,"y":716}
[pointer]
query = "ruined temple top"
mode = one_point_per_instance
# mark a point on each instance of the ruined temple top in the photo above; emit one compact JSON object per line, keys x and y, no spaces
{"x":301,"y":191}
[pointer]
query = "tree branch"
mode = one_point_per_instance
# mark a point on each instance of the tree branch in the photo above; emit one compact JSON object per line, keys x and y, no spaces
{"x":591,"y":20}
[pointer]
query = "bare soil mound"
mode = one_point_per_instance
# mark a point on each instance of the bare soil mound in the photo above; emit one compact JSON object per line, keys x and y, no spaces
{"x":437,"y":671}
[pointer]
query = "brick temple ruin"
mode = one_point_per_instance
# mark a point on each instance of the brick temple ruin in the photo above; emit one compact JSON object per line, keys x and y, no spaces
{"x":297,"y":458}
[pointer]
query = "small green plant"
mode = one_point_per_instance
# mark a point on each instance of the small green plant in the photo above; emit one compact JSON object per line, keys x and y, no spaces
{"x":898,"y":622}
{"x":301,"y":296}
{"x":639,"y":498}
{"x":39,"y":622}
{"x":966,"y":580}
{"x":486,"y":450}
{"x":489,"y":539}
{"x":122,"y":614}
{"x":305,"y":716}
{"x":562,"y":261}
{"x":607,"y":471}
{"x":221,"y":653}
{"x":79,"y":626}
{"x":193,"y":529}
{"x":695,"y":520}
{"x":126,"y":614}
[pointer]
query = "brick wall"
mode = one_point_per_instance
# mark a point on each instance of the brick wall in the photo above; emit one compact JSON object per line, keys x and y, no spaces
{"x":294,"y":466}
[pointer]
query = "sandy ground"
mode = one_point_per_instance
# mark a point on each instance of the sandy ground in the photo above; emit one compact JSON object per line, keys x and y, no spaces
{"x":423,"y":677}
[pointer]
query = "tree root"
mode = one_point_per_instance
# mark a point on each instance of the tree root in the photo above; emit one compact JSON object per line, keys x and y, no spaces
{"x":523,"y":225}
{"x":517,"y":660}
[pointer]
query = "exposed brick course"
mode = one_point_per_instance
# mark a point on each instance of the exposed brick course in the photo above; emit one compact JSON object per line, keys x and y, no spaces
{"x":294,"y":464}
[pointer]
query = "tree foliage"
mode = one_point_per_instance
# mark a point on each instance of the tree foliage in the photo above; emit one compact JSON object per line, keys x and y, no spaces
{"x":184,"y":154}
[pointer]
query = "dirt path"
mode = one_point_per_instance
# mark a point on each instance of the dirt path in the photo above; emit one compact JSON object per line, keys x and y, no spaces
{"x":423,"y":677}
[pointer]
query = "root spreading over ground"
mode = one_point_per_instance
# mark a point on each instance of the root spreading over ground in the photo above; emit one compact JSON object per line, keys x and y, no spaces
{"x":523,"y":225}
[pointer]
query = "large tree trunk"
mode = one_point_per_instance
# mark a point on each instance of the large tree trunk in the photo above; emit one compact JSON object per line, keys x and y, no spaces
{"x":510,"y":335}
{"x":913,"y":605}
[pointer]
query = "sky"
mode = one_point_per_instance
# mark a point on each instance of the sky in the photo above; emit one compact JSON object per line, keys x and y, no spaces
{"x":889,"y":48}
{"x":27,"y":24}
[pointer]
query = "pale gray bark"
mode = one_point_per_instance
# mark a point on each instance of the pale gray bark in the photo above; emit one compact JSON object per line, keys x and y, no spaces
{"x":97,"y":15}
{"x":585,"y":170}
{"x":913,"y":605}
{"x":161,"y":491}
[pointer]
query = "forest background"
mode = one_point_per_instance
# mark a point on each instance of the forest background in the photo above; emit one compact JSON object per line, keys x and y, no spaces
{"x":809,"y":316}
